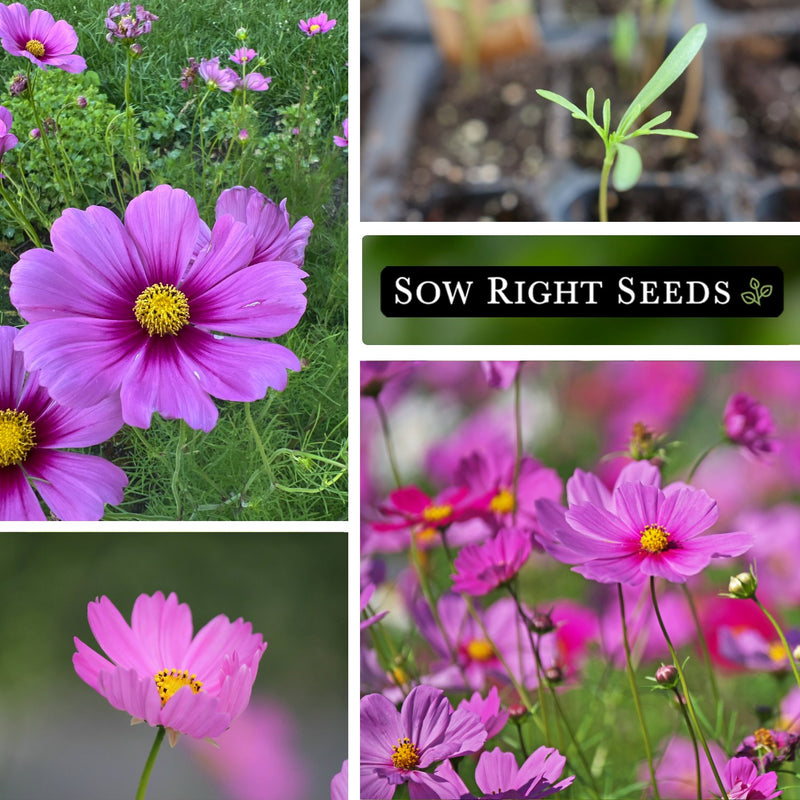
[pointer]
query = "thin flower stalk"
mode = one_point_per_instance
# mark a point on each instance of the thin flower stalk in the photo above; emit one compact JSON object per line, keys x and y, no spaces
{"x":692,"y":736}
{"x":782,"y":637}
{"x":141,"y":791}
{"x":685,"y":688}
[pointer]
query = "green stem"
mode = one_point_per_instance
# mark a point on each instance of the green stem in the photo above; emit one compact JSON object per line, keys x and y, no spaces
{"x":387,"y":438}
{"x":148,"y":765}
{"x":700,"y":459}
{"x":635,"y":693}
{"x":19,"y":216}
{"x":602,"y":201}
{"x":689,"y":728}
{"x":248,"y":415}
{"x":176,"y":473}
{"x":778,"y":630}
{"x":685,"y":687}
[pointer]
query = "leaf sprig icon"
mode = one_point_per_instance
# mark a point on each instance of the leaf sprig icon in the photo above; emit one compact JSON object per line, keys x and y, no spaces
{"x":758,"y":294}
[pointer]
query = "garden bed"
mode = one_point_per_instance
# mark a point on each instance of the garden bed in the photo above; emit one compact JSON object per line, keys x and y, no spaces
{"x":436,"y":149}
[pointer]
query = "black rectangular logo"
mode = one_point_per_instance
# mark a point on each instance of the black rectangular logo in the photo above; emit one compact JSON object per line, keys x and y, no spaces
{"x":524,"y":291}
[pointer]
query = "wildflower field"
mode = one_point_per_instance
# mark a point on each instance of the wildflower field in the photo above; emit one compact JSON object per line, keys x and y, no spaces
{"x":173,"y":261}
{"x":579,"y":579}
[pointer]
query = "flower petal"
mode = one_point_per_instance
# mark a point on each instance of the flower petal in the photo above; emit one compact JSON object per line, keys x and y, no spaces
{"x":17,"y":500}
{"x":163,"y":627}
{"x":116,"y":638}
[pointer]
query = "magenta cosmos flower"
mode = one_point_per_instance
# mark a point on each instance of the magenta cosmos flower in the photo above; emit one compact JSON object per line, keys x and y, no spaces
{"x":316,"y":25}
{"x":125,"y":25}
{"x":162,"y":675}
{"x":156,"y":310}
{"x":642,"y":531}
{"x":216,"y":77}
{"x":500,"y":374}
{"x":76,"y":486}
{"x":7,"y":139}
{"x":742,"y":781}
{"x":35,"y":35}
{"x":498,"y":774}
{"x":748,"y":423}
{"x":399,"y":746}
{"x":339,"y":783}
{"x":342,"y":141}
{"x":243,"y":54}
{"x":482,"y":568}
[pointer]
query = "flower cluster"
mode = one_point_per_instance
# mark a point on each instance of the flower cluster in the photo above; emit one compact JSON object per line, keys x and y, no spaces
{"x":125,"y":26}
{"x":519,"y":596}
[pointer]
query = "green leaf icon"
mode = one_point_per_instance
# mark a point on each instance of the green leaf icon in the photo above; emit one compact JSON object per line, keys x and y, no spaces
{"x":750,"y":298}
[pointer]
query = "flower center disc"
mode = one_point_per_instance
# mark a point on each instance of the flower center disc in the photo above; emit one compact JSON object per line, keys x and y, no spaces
{"x":437,"y":513}
{"x":502,"y":502}
{"x":764,"y":739}
{"x":314,"y":27}
{"x":169,"y":681}
{"x":654,"y":539}
{"x":17,"y":437}
{"x":35,"y":48}
{"x":162,"y":309}
{"x":480,"y":650}
{"x":405,"y":754}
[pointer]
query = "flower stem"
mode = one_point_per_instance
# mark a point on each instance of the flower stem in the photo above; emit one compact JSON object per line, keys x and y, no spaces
{"x":682,"y":678}
{"x":148,"y":765}
{"x":694,"y":742}
{"x":700,"y":459}
{"x":635,"y":693}
{"x":785,"y":644}
{"x":602,"y":201}
{"x":176,"y":473}
{"x":387,"y":438}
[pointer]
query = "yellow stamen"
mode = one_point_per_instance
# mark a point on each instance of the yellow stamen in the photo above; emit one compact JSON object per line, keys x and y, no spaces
{"x":777,"y":652}
{"x":169,"y":681}
{"x":314,"y":27}
{"x":764,"y":739}
{"x":162,"y":309}
{"x":35,"y":48}
{"x":405,"y":754}
{"x":17,"y":437}
{"x":437,"y":513}
{"x":654,"y":539}
{"x":426,"y":535}
{"x":480,"y":650}
{"x":502,"y":502}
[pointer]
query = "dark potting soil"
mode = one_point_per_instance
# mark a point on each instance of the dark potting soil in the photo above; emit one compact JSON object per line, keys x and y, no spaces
{"x":754,"y":5}
{"x":647,"y":204}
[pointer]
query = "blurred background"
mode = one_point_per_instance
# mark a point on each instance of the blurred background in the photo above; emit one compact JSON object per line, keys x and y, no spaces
{"x":733,"y":251}
{"x":59,"y":738}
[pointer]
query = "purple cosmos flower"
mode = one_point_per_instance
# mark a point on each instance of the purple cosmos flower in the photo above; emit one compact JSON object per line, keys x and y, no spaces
{"x":676,"y":775}
{"x":342,"y":141}
{"x":742,"y":781}
{"x":189,"y":73}
{"x":499,"y":775}
{"x":765,"y":747}
{"x":133,"y":309}
{"x":35,"y":35}
{"x":641,"y":531}
{"x":253,"y":82}
{"x":492,"y":716}
{"x":339,"y":783}
{"x":216,"y":77}
{"x":482,"y":568}
{"x":315,"y":25}
{"x":243,"y":135}
{"x":35,"y":133}
{"x":398,"y":746}
{"x":126,"y":26}
{"x":18,"y":85}
{"x":243,"y":54}
{"x":7,"y":139}
{"x":750,"y":648}
{"x":75,"y":486}
{"x":366,"y":594}
{"x":268,"y":222}
{"x":162,"y":675}
{"x":500,"y":374}
{"x":748,"y":423}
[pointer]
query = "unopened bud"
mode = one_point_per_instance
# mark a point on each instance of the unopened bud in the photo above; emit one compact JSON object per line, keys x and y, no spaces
{"x":517,"y":711}
{"x":136,"y":49}
{"x":554,"y":674}
{"x":796,"y":653}
{"x":743,"y":585}
{"x":541,"y":623}
{"x":19,"y":85}
{"x":81,"y":101}
{"x":667,"y":676}
{"x":241,"y":34}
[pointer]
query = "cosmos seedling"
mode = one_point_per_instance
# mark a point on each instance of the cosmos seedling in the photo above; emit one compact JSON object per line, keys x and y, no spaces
{"x":624,"y":158}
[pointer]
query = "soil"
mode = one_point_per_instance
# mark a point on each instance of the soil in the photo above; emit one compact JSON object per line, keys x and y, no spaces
{"x":754,"y":5}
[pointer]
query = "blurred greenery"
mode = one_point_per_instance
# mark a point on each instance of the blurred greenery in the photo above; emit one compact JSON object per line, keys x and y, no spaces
{"x":733,"y":251}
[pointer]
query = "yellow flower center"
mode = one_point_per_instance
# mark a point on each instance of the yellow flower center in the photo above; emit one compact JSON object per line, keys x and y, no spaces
{"x":405,"y":754}
{"x":437,"y":513}
{"x":401,"y":677}
{"x":17,"y":437}
{"x":162,"y":309}
{"x":169,"y":681}
{"x":777,"y":652}
{"x":35,"y":48}
{"x":502,"y":502}
{"x":426,"y":535}
{"x":654,"y":539}
{"x":480,"y":650}
{"x":314,"y":27}
{"x":764,"y":739}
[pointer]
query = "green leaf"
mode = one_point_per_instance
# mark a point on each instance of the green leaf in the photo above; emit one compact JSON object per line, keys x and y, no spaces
{"x":590,"y":102}
{"x":669,"y":132}
{"x":627,"y":169}
{"x":749,"y":298}
{"x":754,"y":284}
{"x":607,"y":115}
{"x":655,"y":121}
{"x":561,"y":101}
{"x":674,"y":64}
{"x":766,"y":291}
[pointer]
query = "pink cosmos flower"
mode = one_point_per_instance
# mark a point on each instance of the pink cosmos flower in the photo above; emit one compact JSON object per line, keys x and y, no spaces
{"x":253,"y":82}
{"x":766,"y":747}
{"x":499,"y":775}
{"x":488,"y":709}
{"x":126,"y":26}
{"x":268,"y":222}
{"x":223,"y":78}
{"x":76,"y":486}
{"x":790,"y":711}
{"x":482,"y":568}
{"x":398,"y":746}
{"x":189,"y":73}
{"x":162,"y":675}
{"x":35,"y":35}
{"x":342,"y":141}
{"x":742,"y":781}
{"x":243,"y":54}
{"x":644,"y":531}
{"x":7,"y":139}
{"x":500,"y":374}
{"x":339,"y":783}
{"x":748,"y":423}
{"x":752,"y":649}
{"x":675,"y":772}
{"x":366,"y":594}
{"x":133,"y":309}
{"x":316,"y":25}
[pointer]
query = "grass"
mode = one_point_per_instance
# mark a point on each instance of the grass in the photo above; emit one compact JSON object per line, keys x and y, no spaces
{"x":284,"y":457}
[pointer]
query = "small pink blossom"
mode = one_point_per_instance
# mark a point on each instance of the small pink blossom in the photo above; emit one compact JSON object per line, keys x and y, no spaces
{"x":748,"y":423}
{"x":488,"y":709}
{"x":482,"y":568}
{"x":342,"y":141}
{"x":316,"y":25}
{"x":742,"y":781}
{"x":243,"y":54}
